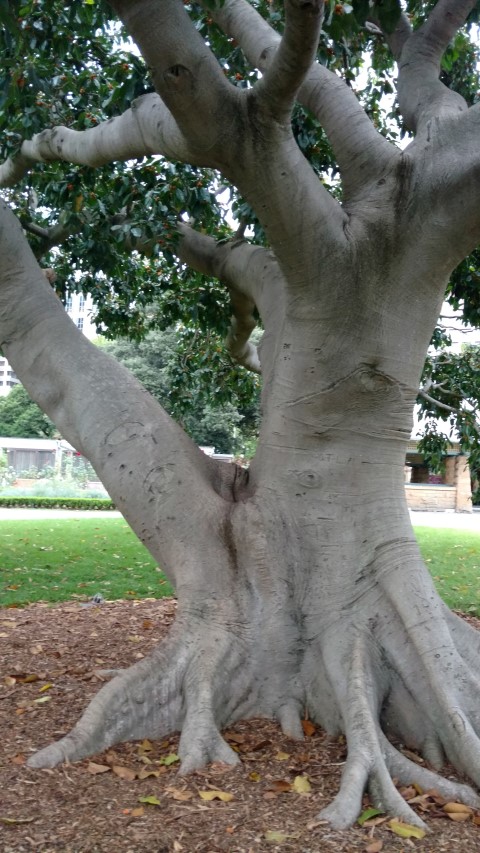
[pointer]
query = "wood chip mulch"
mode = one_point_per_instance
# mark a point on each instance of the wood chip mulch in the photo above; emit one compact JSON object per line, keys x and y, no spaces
{"x":51,"y":662}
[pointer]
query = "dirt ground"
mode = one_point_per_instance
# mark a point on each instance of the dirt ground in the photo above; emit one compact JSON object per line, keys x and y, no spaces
{"x":131,"y":798}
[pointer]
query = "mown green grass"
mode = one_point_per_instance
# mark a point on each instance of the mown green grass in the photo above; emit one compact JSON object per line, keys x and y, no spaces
{"x":453,"y":557}
{"x":58,"y":560}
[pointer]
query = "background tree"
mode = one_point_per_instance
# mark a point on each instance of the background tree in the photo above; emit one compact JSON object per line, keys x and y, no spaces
{"x":20,"y":417}
{"x":204,"y":391}
{"x":300,"y":582}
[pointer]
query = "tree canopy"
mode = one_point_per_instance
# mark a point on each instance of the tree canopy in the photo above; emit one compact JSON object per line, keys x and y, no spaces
{"x":20,"y":417}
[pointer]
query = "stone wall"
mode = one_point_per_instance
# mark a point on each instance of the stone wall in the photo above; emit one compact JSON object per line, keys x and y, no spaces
{"x":431,"y":498}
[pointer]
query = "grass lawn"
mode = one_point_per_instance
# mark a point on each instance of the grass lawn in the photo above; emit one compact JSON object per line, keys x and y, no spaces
{"x":57,"y":560}
{"x":453,"y":557}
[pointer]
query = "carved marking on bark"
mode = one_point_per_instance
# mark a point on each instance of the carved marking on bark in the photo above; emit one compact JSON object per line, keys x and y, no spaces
{"x":124,"y":432}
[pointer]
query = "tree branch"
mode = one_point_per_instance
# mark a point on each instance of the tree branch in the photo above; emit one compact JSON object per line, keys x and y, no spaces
{"x":293,"y":58}
{"x":461,"y":413}
{"x":437,"y":403}
{"x":104,"y":411}
{"x":146,"y":128}
{"x":360,"y":150}
{"x":421,"y":94}
{"x":396,"y":39}
{"x":50,"y":237}
{"x":253,"y":279}
{"x":184,"y":71}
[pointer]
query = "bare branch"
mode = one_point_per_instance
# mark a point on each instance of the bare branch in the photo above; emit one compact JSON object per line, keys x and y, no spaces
{"x":462,"y":413}
{"x":292,"y":60}
{"x":146,"y":128}
{"x":421,"y":94}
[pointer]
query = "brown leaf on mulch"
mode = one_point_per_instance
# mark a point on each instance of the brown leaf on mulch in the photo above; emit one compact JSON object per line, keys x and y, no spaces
{"x":131,"y":798}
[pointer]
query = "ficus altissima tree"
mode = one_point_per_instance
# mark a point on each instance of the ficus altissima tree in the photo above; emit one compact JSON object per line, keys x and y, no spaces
{"x":300,"y":583}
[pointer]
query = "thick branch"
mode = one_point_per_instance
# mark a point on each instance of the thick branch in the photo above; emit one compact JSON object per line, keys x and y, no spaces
{"x":421,"y":94}
{"x":292,"y":60}
{"x":360,"y":150}
{"x":184,"y":71}
{"x":146,"y":128}
{"x":104,"y":411}
{"x":253,"y":279}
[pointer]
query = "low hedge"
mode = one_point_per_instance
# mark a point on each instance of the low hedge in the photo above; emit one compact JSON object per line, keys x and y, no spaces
{"x":57,"y":503}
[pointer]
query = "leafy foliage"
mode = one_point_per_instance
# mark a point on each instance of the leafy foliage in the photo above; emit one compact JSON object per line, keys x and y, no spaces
{"x":453,"y":380}
{"x":215,"y":401}
{"x":20,"y":417}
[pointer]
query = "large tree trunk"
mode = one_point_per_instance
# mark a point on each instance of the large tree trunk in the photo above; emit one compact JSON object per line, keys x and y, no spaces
{"x":300,"y":585}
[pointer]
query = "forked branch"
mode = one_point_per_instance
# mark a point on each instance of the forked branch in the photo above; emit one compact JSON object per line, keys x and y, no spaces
{"x":293,"y":58}
{"x":421,"y":94}
{"x":360,"y":150}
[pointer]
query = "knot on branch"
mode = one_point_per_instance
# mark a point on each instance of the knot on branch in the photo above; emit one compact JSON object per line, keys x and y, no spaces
{"x":176,"y":72}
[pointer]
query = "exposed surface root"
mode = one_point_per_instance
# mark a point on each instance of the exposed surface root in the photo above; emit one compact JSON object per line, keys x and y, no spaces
{"x":143,"y":701}
{"x":207,"y":676}
{"x":365,"y":765}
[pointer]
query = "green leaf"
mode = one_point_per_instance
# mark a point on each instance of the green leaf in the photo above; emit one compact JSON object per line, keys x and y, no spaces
{"x":169,"y":759}
{"x":367,"y":814}
{"x":151,"y":801}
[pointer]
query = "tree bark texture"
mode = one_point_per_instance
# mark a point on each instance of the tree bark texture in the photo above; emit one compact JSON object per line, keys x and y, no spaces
{"x":300,"y":584}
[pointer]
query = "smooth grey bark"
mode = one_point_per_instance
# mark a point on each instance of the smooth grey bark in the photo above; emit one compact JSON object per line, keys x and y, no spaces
{"x":300,"y":583}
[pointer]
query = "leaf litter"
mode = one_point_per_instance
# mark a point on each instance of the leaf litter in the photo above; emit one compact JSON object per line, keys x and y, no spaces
{"x":131,"y":796}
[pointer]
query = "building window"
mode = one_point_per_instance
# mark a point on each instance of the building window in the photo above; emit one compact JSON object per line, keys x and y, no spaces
{"x":80,"y":324}
{"x":69,"y":304}
{"x":81,"y":304}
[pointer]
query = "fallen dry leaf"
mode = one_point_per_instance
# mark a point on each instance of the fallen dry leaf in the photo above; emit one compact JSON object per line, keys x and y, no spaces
{"x":146,"y":772}
{"x":124,"y":772}
{"x":301,"y":785}
{"x":216,"y":795}
{"x":457,"y":808}
{"x":138,"y":812}
{"x":19,"y":759}
{"x":95,"y":769}
{"x":405,"y":830}
{"x":280,"y":786}
{"x":179,"y":793}
{"x":308,"y":728}
{"x":11,"y":821}
{"x":459,"y":817}
{"x":374,"y":846}
{"x":275,"y":836}
{"x":282,"y":756}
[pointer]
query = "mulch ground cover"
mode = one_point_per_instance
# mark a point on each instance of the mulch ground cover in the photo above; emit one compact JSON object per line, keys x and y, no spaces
{"x":131,"y":798}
